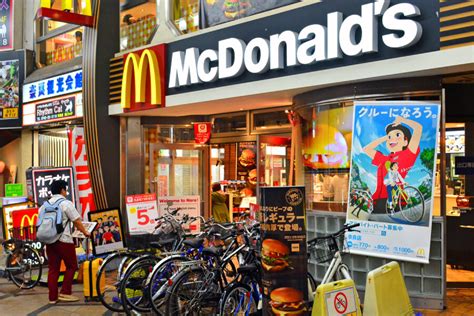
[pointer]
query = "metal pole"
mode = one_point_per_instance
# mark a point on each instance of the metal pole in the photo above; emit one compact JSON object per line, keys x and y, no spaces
{"x":442,"y":173}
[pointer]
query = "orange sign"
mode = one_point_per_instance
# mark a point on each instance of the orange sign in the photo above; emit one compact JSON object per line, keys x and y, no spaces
{"x":144,"y":79}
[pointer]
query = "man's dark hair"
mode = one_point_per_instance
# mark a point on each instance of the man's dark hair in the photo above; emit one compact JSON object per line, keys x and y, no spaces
{"x":78,"y":34}
{"x":111,"y":217}
{"x":126,"y":19}
{"x":57,"y":186}
{"x":100,"y":218}
{"x":393,"y":164}
{"x":406,"y":132}
{"x":216,"y":187}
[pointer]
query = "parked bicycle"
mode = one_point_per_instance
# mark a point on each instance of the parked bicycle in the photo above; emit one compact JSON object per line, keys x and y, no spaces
{"x":24,"y":264}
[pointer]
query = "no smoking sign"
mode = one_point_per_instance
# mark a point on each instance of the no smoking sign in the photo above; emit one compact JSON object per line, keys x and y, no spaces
{"x":341,"y":302}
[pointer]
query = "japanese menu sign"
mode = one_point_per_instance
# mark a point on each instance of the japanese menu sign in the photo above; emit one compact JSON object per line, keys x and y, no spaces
{"x":220,"y":11}
{"x":392,"y":179}
{"x":6,"y":25}
{"x":81,"y":171}
{"x":284,"y":255}
{"x":39,"y":181}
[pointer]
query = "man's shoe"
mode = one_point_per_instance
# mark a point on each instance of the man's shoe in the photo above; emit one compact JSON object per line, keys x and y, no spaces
{"x":53,"y":302}
{"x":68,"y":298}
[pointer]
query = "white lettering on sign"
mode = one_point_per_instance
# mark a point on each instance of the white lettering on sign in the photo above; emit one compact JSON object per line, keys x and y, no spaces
{"x":314,"y":43}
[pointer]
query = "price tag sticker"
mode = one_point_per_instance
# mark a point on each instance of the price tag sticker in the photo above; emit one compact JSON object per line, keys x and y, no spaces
{"x":10,"y":113}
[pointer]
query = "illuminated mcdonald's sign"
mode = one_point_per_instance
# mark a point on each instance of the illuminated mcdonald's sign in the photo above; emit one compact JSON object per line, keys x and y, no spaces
{"x":78,"y":12}
{"x":143,"y":83}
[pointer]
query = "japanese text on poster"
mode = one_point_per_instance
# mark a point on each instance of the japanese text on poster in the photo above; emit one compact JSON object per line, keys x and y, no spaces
{"x":6,"y":24}
{"x":142,"y":210}
{"x":187,"y":205}
{"x":392,"y":179}
{"x":39,"y":183}
{"x":284,"y":259}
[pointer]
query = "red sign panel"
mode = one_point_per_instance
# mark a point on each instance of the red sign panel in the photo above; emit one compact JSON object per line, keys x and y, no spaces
{"x":202,"y":132}
{"x":24,"y":219}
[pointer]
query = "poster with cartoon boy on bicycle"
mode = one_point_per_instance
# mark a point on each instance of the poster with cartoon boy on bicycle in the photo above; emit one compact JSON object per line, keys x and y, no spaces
{"x":392,"y":170}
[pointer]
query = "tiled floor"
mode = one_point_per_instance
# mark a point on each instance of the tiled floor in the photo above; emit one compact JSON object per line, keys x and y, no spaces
{"x":459,"y":275}
{"x":460,"y":302}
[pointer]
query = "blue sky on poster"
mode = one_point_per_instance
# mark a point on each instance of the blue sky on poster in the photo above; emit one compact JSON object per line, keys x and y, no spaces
{"x":370,"y":122}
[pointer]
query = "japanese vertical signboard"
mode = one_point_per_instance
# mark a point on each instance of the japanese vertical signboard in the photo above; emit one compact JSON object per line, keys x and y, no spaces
{"x":6,"y":25}
{"x":38,"y":183}
{"x":81,"y":171}
{"x":284,"y":257}
{"x":392,"y":179}
{"x":142,"y":210}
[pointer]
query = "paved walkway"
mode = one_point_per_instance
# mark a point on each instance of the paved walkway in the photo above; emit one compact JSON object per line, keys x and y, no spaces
{"x":35,"y":302}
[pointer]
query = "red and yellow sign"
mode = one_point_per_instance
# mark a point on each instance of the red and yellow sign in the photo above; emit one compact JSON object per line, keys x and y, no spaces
{"x":82,"y":16}
{"x":144,"y":79}
{"x":24,"y":219}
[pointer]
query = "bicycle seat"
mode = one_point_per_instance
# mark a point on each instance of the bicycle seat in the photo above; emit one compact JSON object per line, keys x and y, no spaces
{"x":162,"y":243}
{"x":247,"y":269}
{"x":212,"y":251}
{"x":194,"y":243}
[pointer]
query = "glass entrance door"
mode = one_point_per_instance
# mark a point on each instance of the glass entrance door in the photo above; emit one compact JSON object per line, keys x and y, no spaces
{"x":175,"y":169}
{"x":274,"y":161}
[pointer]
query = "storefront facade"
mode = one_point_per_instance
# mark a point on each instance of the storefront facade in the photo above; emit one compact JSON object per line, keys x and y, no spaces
{"x":263,"y":82}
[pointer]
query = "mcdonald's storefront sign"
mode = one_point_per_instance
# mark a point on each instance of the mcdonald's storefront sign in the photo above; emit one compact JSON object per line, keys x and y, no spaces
{"x":144,"y":79}
{"x":25,"y":218}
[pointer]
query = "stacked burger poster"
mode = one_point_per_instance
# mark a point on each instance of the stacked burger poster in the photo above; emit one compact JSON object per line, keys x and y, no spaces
{"x":283,"y":255}
{"x":247,"y":166}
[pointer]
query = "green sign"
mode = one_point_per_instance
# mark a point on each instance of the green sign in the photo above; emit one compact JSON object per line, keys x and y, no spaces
{"x":13,"y":190}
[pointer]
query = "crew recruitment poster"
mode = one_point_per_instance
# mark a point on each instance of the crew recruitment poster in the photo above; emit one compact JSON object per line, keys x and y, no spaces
{"x":392,"y":179}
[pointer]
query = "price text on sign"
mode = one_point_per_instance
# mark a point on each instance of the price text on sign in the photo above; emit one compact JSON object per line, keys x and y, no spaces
{"x":10,"y":113}
{"x":142,"y":211}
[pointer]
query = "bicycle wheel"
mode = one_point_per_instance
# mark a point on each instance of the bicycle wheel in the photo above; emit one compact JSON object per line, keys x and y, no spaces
{"x":112,"y":269}
{"x":133,"y":292}
{"x":412,"y":204}
{"x":192,"y":294}
{"x":312,"y":285}
{"x":238,"y":300}
{"x":24,"y":267}
{"x":157,"y":283}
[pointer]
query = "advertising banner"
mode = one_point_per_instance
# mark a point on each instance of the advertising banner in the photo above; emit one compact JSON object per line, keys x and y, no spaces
{"x":247,"y":166}
{"x":202,"y":132}
{"x":108,"y":233}
{"x":284,"y":255}
{"x":81,"y":171}
{"x":392,"y":179}
{"x":25,"y":218}
{"x":38,"y":182}
{"x":6,"y":25}
{"x":190,"y":205}
{"x":220,"y":11}
{"x":9,"y":89}
{"x":56,"y":109}
{"x":13,"y":190}
{"x":142,"y":210}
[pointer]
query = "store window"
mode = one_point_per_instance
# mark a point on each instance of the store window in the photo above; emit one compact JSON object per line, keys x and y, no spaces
{"x":230,"y":124}
{"x":327,"y":133}
{"x":274,"y":119}
{"x":186,"y":15}
{"x":138,"y":23}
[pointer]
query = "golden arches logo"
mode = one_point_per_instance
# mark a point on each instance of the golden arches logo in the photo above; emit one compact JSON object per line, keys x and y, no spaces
{"x":141,"y":67}
{"x":420,"y":252}
{"x":31,"y":223}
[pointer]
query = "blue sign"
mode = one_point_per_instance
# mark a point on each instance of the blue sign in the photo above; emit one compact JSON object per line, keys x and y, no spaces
{"x":53,"y":87}
{"x":464,"y":165}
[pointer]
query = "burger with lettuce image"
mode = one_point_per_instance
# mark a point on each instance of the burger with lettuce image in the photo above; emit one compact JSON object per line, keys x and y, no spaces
{"x":274,"y":255}
{"x":235,"y":8}
{"x":287,"y":301}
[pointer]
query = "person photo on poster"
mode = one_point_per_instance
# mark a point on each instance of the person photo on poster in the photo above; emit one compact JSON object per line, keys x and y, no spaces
{"x":392,"y":164}
{"x":107,"y":235}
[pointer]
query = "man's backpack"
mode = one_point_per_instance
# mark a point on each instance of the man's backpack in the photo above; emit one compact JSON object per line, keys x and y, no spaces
{"x":49,"y":227}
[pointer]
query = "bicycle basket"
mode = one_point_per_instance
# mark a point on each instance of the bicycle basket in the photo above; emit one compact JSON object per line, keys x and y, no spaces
{"x":324,"y":248}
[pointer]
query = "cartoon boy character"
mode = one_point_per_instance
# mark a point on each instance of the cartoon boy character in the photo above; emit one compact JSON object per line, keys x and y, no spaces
{"x":404,"y":148}
{"x":393,"y":180}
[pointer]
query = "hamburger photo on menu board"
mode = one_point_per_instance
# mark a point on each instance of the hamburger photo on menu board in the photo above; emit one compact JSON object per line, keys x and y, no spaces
{"x":247,"y":158}
{"x":274,"y":255}
{"x":287,"y":301}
